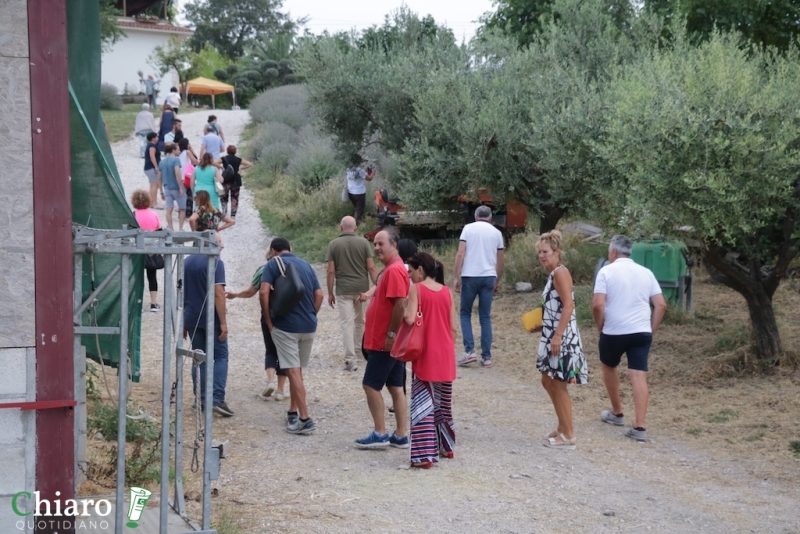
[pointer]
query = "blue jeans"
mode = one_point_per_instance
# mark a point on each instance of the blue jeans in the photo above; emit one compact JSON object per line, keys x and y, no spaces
{"x":483,"y":288}
{"x":220,"y":364}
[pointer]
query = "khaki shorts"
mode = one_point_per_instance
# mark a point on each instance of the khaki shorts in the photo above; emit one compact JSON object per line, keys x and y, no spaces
{"x":294,"y":350}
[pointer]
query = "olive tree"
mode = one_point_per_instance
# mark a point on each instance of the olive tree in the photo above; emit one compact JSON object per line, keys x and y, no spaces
{"x":707,"y":137}
{"x":363,"y":87}
{"x":523,"y":122}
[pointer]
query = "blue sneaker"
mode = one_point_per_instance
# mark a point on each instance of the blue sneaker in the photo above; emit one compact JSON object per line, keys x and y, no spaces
{"x":373,"y":441}
{"x":397,"y":442}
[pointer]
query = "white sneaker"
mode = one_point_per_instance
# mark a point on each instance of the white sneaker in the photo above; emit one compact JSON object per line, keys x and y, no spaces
{"x":279,"y":396}
{"x":466,"y":359}
{"x":268,"y":391}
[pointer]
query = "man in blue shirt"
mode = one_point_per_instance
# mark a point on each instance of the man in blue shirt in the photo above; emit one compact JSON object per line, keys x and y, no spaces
{"x":195,"y":279}
{"x":293,"y":332}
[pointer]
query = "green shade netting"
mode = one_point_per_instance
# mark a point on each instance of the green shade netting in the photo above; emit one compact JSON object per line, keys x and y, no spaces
{"x":98,"y":199}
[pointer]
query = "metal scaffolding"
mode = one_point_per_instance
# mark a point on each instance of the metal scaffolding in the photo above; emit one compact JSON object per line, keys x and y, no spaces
{"x":174,"y":246}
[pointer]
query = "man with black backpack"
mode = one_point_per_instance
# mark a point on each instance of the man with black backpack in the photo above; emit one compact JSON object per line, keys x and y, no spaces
{"x":290,"y":298}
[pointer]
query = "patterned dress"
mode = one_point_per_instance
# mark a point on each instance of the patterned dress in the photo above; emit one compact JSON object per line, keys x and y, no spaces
{"x":207,"y":220}
{"x":570,"y":365}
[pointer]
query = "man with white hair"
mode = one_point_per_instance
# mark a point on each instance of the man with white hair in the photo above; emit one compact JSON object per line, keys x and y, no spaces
{"x":145,"y":123}
{"x":623,"y":292}
{"x":211,"y":143}
{"x":478,"y":271}
{"x":351,"y":266}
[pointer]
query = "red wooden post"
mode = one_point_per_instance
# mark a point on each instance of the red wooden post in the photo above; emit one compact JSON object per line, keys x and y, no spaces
{"x":52,"y":214}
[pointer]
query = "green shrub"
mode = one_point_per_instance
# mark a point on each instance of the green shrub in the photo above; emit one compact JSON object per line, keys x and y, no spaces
{"x":584,"y":295}
{"x":103,"y":418}
{"x":109,"y":97}
{"x":795,"y":446}
{"x":522,"y":263}
{"x":314,"y":162}
{"x":273,"y":145}
{"x":286,"y":104}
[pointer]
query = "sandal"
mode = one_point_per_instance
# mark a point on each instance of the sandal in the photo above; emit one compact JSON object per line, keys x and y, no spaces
{"x":561,"y":442}
{"x":424,"y":464}
{"x":553,"y":434}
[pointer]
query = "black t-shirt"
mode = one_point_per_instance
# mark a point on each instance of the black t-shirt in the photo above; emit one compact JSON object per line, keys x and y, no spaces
{"x":234,"y":162}
{"x":147,"y":163}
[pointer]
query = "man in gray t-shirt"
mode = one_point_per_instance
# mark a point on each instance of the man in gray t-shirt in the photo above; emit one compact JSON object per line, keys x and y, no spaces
{"x":174,"y":191}
{"x":351,"y":265}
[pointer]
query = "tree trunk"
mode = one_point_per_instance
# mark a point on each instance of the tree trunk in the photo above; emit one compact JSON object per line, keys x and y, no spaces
{"x":549,"y":218}
{"x":764,"y":335}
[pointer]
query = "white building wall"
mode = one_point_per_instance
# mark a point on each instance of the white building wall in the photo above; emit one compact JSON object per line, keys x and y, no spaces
{"x":17,"y":319}
{"x":126,"y":57}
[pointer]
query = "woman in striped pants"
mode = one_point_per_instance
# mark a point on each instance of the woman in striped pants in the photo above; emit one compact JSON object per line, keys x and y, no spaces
{"x":432,"y":431}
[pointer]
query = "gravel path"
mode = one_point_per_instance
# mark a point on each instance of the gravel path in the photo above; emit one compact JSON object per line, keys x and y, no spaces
{"x":502,"y":479}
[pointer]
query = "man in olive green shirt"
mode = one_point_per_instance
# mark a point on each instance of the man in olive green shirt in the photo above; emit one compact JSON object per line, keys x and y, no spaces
{"x":351,"y":265}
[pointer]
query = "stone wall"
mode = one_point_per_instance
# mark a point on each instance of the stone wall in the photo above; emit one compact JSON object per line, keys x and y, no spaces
{"x":17,"y":320}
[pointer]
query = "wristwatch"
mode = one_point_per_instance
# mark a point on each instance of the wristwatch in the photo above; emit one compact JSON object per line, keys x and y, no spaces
{"x":390,"y":335}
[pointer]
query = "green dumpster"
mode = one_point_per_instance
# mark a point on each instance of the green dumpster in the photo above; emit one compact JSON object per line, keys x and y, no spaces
{"x":667,"y":260}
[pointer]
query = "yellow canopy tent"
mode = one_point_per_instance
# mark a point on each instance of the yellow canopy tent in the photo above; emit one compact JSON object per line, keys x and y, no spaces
{"x":204,"y":86}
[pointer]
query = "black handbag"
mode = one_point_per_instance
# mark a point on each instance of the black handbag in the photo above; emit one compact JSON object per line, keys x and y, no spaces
{"x":288,"y":289}
{"x":154,"y":261}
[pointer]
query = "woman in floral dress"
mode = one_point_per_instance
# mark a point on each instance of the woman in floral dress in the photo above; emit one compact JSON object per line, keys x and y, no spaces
{"x":560,"y":360}
{"x":207,"y":217}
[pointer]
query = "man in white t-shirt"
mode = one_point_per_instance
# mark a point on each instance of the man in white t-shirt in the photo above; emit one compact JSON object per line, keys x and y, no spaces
{"x":173,"y":98}
{"x":478,"y":270}
{"x":623,"y":292}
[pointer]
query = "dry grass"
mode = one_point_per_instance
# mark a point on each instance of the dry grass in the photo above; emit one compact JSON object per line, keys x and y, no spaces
{"x":700,"y":389}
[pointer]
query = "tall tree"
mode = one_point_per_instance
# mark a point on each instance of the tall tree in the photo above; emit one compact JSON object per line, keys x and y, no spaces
{"x":523,"y":122}
{"x":177,"y":55}
{"x":524,"y":20}
{"x":519,"y":19}
{"x":363,"y":87}
{"x":110,"y":31}
{"x":229,"y":25}
{"x":762,"y":22}
{"x":707,"y":138}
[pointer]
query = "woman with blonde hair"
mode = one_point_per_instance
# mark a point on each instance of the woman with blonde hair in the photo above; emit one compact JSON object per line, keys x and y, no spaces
{"x":560,"y":357}
{"x":204,"y":176}
{"x":147,"y":219}
{"x":207,"y":217}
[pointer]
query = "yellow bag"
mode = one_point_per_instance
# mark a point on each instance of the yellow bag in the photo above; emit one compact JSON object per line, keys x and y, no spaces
{"x":532,"y":321}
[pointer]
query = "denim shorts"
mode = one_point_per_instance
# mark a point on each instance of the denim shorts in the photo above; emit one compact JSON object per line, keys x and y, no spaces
{"x":383,"y":370}
{"x":152,"y":176}
{"x":636,"y":346}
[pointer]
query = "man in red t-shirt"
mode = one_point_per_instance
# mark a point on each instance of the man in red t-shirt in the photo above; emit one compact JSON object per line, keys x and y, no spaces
{"x":383,"y":318}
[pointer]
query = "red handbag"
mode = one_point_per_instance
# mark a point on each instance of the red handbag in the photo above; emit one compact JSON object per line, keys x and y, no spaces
{"x":408,"y":341}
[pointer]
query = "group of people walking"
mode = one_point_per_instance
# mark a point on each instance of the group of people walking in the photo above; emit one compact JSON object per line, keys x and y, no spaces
{"x":411,"y":289}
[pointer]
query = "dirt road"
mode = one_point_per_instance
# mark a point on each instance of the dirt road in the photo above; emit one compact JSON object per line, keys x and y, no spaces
{"x":501,"y":480}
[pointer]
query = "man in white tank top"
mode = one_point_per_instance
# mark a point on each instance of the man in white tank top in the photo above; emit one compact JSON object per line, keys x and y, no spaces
{"x":623,"y":292}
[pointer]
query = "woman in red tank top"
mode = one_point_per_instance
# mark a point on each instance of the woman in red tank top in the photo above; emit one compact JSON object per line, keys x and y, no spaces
{"x":433,"y":373}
